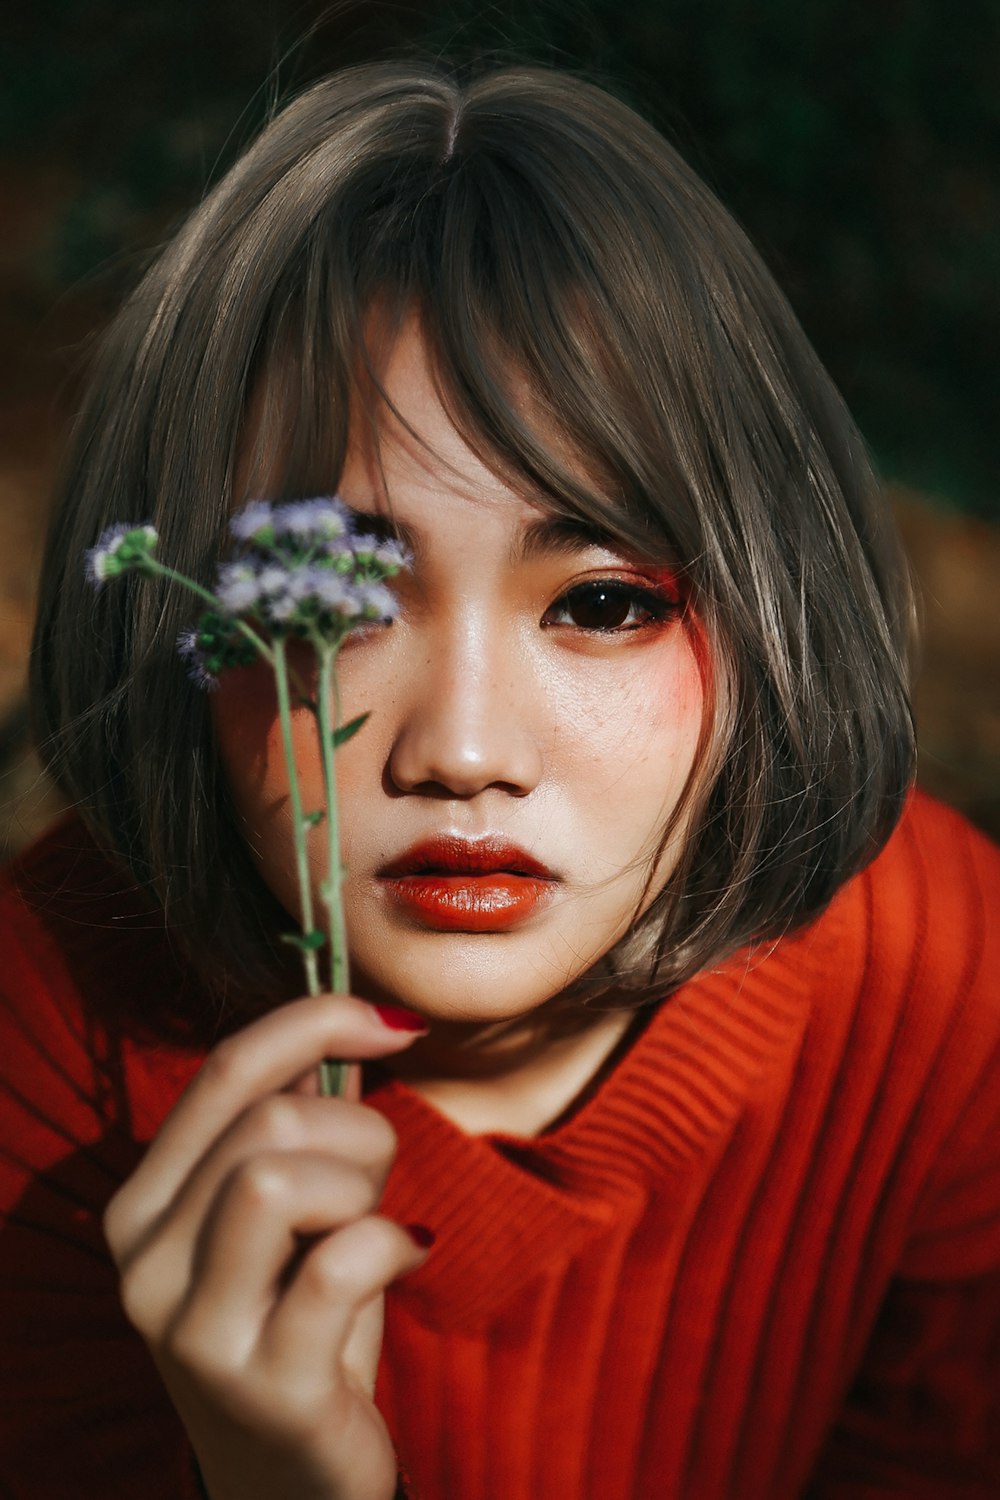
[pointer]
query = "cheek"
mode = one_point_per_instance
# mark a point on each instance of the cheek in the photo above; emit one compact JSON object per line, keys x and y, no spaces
{"x":642,"y":722}
{"x":645,"y":740}
{"x":670,"y":733}
{"x":248,"y":736}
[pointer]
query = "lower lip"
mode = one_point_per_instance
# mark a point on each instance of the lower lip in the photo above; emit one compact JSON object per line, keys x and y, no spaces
{"x":469,"y":903}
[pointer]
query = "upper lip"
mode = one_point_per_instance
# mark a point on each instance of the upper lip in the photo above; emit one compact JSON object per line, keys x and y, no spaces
{"x":451,"y":855}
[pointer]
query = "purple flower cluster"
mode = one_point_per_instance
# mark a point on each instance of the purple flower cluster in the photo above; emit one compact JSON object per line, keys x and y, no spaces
{"x":303,"y":569}
{"x":301,"y":597}
{"x":120,"y":549}
{"x":312,"y":522}
{"x":300,"y":570}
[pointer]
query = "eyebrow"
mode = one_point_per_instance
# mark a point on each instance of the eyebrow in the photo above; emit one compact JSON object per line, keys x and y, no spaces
{"x":548,"y":536}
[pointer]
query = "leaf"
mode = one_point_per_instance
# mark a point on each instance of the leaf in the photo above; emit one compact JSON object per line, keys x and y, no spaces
{"x":307,"y":941}
{"x":347,"y":731}
{"x":313,"y":819}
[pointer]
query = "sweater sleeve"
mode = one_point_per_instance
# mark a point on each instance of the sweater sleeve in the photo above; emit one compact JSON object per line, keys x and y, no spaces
{"x":922,"y":1418}
{"x":82,"y":1411}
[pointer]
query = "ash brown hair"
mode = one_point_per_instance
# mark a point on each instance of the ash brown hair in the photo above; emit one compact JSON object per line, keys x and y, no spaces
{"x":541,"y":229}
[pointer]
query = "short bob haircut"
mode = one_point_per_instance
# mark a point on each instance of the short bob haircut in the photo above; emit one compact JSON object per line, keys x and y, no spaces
{"x":541,"y":230}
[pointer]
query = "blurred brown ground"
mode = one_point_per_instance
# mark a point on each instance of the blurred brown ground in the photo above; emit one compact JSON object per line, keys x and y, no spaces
{"x":956,"y":559}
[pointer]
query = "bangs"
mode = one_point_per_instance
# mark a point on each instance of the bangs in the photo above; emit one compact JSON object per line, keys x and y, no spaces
{"x":527,"y":320}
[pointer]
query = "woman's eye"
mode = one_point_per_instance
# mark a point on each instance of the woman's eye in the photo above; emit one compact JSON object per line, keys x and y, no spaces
{"x":609,"y":605}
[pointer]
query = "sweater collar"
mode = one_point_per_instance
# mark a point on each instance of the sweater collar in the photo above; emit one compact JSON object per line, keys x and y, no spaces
{"x":656,"y":1124}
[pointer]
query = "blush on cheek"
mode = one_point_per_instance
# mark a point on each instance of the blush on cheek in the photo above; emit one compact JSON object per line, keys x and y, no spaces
{"x":248,"y":735}
{"x":245,"y":717}
{"x":681,"y":699}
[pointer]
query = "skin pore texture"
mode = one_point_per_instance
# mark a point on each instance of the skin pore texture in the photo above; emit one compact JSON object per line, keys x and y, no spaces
{"x":537,"y":690}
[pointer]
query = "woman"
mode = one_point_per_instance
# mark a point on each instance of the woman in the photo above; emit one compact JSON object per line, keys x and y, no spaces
{"x":692,"y":1093}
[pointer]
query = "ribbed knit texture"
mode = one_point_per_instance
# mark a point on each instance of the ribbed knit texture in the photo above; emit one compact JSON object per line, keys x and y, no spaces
{"x":762,"y":1261}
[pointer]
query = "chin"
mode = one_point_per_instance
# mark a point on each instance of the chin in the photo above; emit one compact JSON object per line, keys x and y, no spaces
{"x":472,"y":992}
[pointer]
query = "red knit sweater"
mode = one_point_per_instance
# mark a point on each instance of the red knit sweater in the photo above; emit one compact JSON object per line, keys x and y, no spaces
{"x":762,"y":1261}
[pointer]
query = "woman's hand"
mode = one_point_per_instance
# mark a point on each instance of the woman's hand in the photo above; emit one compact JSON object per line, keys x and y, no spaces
{"x":253,"y":1261}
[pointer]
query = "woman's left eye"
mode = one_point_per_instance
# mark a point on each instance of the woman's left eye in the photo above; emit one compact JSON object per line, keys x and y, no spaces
{"x":610,"y":606}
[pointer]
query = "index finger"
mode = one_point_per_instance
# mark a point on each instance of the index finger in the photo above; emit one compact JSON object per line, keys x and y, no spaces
{"x":265,"y":1057}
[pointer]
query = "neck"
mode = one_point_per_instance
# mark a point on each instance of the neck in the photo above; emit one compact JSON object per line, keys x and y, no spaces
{"x":515,"y":1080}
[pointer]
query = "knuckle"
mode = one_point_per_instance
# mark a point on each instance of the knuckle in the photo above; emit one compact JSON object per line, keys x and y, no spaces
{"x":278,"y":1119}
{"x":351,"y":1266}
{"x":382,"y":1140}
{"x":217,"y":1357}
{"x":335,"y":1275}
{"x":259,"y":1184}
{"x":224,"y":1067}
{"x":356,"y":1192}
{"x":186,"y":1349}
{"x":114,"y":1224}
{"x":136,"y":1291}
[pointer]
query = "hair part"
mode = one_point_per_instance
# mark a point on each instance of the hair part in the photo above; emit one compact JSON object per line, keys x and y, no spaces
{"x":572,"y":276}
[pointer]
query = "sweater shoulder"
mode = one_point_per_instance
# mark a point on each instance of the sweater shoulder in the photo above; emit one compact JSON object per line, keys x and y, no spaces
{"x":78,"y":1099}
{"x":81,"y":957}
{"x":917,"y":932}
{"x":934,"y":834}
{"x":925,"y":909}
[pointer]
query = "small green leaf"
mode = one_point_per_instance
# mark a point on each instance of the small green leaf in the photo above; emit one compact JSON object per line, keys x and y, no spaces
{"x":305,"y":940}
{"x":347,"y":731}
{"x":313,"y":819}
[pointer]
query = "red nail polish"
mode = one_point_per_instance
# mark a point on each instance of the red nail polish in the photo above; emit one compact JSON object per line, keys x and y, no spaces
{"x":398,"y":1018}
{"x":421,"y":1235}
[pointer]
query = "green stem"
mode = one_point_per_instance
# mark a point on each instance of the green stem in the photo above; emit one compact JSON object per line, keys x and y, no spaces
{"x":151,"y":566}
{"x":333,"y":1075}
{"x":328,"y":721}
{"x":299,"y":830}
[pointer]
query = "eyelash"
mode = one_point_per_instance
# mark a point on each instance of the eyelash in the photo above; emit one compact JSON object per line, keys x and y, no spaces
{"x":657,"y":608}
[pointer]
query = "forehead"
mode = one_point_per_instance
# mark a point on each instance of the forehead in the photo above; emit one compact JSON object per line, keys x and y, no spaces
{"x":404,"y":431}
{"x":401,"y":433}
{"x":407,"y":473}
{"x":406,"y":449}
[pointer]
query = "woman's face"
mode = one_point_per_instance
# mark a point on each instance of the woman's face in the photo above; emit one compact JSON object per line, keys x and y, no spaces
{"x":535,"y":712}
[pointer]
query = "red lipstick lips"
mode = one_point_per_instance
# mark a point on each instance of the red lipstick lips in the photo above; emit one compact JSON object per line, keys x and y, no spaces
{"x":467,"y":885}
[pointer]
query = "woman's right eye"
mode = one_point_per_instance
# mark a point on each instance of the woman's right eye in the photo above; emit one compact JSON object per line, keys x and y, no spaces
{"x":611,"y":606}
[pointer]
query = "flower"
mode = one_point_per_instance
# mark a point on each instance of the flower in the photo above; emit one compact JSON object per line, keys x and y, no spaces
{"x":312,"y":522}
{"x":238,"y":586}
{"x":254,"y":522}
{"x":118,"y":550}
{"x":190,"y":650}
{"x":377,"y":602}
{"x":303,"y":570}
{"x":379,"y":556}
{"x":216,"y":643}
{"x":329,"y":592}
{"x":391,"y":556}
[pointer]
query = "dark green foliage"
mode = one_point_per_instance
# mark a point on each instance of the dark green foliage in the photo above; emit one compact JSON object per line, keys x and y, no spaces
{"x":859,"y":143}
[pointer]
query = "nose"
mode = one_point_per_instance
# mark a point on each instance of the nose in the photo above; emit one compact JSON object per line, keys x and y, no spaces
{"x":467,"y":722}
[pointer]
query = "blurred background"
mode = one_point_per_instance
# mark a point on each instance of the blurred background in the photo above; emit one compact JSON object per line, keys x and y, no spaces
{"x":858,"y":141}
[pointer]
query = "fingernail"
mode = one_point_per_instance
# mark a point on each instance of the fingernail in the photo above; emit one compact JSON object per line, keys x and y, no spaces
{"x":398,"y":1018}
{"x":421,"y":1235}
